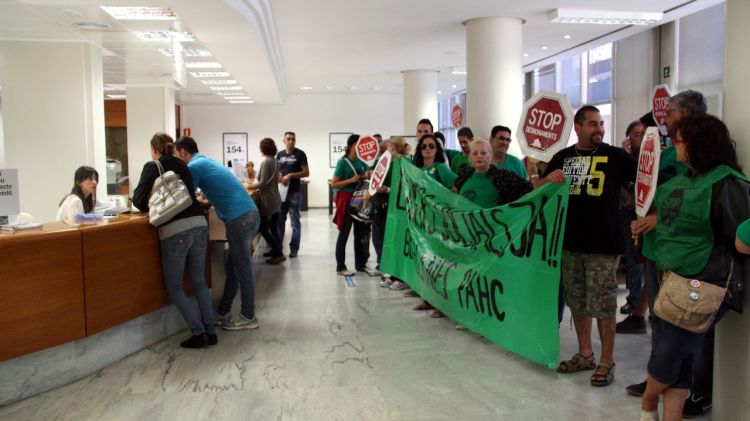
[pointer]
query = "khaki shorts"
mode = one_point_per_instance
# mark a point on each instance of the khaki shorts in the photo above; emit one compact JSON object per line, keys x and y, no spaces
{"x":590,"y":283}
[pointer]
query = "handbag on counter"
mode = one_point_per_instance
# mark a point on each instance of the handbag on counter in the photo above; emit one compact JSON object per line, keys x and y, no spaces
{"x":169,"y":196}
{"x":689,"y":304}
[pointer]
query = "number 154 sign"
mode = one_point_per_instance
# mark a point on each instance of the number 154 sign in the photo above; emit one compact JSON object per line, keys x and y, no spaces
{"x":235,"y":148}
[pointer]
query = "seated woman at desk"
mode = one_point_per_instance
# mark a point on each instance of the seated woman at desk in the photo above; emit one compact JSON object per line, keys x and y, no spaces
{"x":183,"y":245}
{"x":82,"y":198}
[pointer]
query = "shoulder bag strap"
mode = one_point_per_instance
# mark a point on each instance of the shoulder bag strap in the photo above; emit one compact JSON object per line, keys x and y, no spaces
{"x":158,"y":165}
{"x":352,"y":166}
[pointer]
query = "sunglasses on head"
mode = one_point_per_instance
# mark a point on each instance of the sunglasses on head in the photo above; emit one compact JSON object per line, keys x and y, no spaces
{"x":428,"y":145}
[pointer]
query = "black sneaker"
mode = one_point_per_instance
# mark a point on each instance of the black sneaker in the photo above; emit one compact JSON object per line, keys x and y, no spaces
{"x":631,"y":324}
{"x":293,"y":253}
{"x":695,"y":406}
{"x":212,"y":339}
{"x":637,"y":389}
{"x":195,"y":341}
{"x":626,"y":309}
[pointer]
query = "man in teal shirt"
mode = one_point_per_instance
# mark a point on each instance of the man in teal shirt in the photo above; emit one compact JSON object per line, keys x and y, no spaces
{"x":500,"y":140}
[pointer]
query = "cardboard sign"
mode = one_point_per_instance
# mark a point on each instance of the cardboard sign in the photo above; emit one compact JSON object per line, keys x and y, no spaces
{"x":659,"y":104}
{"x":648,"y":171}
{"x":457,"y":116}
{"x":10,"y":203}
{"x":367,"y":150}
{"x":545,"y":125}
{"x":380,"y":172}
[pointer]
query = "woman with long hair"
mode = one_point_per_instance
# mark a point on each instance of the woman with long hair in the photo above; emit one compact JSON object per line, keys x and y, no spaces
{"x":430,"y":156}
{"x":269,"y":203}
{"x":82,"y":197}
{"x":347,"y":175}
{"x":697,"y":215}
{"x":183,"y":241}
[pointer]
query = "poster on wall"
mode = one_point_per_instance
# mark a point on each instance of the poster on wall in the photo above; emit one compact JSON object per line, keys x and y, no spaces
{"x":235,"y":153}
{"x":336,"y":146}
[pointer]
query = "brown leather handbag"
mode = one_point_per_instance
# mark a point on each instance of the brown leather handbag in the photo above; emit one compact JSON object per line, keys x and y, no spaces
{"x":689,"y":304}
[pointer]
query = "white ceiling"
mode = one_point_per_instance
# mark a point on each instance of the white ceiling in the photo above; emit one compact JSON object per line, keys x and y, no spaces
{"x":275,"y":47}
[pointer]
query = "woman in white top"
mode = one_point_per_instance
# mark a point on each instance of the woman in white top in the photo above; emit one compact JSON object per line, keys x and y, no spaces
{"x":82,"y":197}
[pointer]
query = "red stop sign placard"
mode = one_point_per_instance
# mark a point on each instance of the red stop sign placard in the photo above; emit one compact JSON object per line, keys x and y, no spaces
{"x":659,"y":104}
{"x":367,"y":149}
{"x":648,"y":171}
{"x":545,"y":125}
{"x":457,"y":115}
{"x":380,"y":172}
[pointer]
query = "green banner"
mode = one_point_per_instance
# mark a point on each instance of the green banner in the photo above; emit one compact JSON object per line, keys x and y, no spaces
{"x":495,"y":271}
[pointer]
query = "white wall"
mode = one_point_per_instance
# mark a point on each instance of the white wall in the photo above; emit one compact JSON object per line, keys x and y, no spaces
{"x":311,"y":117}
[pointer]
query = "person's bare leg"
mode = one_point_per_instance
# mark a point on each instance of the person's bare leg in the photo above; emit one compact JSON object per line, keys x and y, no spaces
{"x":606,"y":329}
{"x":582,"y":323}
{"x":654,"y":388}
{"x":674,"y":402}
{"x":642,"y":306}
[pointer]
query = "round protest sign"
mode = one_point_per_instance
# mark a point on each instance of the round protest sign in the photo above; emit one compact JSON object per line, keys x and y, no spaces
{"x":648,"y":171}
{"x":659,"y":105}
{"x":545,"y":125}
{"x":380,"y":172}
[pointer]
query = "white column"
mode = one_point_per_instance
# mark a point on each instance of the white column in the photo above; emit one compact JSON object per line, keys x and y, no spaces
{"x":494,"y":75}
{"x":150,"y":109}
{"x":731,"y":357}
{"x":420,"y":98}
{"x":53,"y":118}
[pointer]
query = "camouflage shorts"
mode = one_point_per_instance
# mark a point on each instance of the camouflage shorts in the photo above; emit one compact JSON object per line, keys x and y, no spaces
{"x":590,"y":283}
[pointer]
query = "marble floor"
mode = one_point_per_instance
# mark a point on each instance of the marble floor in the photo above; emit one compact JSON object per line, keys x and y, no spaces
{"x":328,"y":351}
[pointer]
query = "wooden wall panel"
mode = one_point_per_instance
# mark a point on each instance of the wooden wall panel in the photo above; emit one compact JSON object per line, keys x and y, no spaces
{"x":42,"y":300}
{"x":115,"y":114}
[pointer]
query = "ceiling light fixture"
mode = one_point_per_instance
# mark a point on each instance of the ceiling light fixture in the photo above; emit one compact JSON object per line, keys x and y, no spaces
{"x":544,"y":47}
{"x":233,"y":98}
{"x":227,"y":88}
{"x":140,"y":13}
{"x":566,"y":36}
{"x":92,"y":26}
{"x":164,"y":36}
{"x":329,"y":88}
{"x":458,"y":70}
{"x":525,"y":54}
{"x":603,"y":17}
{"x":453,"y":86}
{"x":209,"y":74}
{"x":305,"y":88}
{"x":219,"y":82}
{"x":203,"y":65}
{"x":230,"y":93}
{"x":187,"y":52}
{"x":116,"y":96}
{"x":242,"y":102}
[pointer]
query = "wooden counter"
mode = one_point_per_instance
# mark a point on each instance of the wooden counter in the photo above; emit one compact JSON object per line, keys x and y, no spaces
{"x":42,"y":303}
{"x":63,"y":282}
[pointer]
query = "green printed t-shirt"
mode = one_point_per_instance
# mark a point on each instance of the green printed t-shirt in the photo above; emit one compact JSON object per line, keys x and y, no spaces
{"x":458,"y":162}
{"x":344,"y":171}
{"x":480,"y":190}
{"x":743,"y":232}
{"x":441,"y":173}
{"x":669,"y":167}
{"x":512,"y":164}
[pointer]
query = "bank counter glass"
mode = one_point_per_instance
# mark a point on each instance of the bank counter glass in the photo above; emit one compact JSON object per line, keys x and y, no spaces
{"x":62,"y":283}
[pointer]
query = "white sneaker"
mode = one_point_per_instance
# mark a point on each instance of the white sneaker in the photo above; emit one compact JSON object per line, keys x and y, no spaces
{"x":373,"y":272}
{"x":224,"y":320}
{"x":242,"y":323}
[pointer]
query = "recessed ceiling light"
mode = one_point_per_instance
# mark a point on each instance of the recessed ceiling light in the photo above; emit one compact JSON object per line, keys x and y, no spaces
{"x":116,"y":96}
{"x":440,"y":92}
{"x":544,"y":47}
{"x":458,"y":70}
{"x":242,"y":102}
{"x":164,"y":36}
{"x":305,"y":88}
{"x":110,"y":88}
{"x":375,"y":88}
{"x":329,"y":87}
{"x":233,"y":98}
{"x":453,"y":86}
{"x":219,"y":82}
{"x":209,"y":74}
{"x":227,"y":88}
{"x":604,"y":17}
{"x":450,"y":53}
{"x":525,"y":54}
{"x":203,"y":65}
{"x":566,"y":36}
{"x":187,"y":52}
{"x":231,"y":93}
{"x":352,"y":88}
{"x":92,"y":26}
{"x":140,"y":13}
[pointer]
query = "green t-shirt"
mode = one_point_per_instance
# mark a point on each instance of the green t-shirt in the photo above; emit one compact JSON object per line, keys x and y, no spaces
{"x":458,"y":162}
{"x":441,"y":173}
{"x":344,"y":171}
{"x":480,"y":190}
{"x":514,"y":165}
{"x":743,"y":232}
{"x":669,"y":167}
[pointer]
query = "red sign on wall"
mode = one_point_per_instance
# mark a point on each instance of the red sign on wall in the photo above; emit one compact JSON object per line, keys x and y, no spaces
{"x":659,"y":105}
{"x":186,"y":131}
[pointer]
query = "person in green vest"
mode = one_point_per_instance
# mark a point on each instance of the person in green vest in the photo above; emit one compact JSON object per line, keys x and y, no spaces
{"x":461,"y":160}
{"x":695,"y":238}
{"x":500,"y":141}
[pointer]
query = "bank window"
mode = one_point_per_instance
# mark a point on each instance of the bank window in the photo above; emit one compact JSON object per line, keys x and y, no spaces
{"x":544,"y":78}
{"x":599,"y":66}
{"x":570,"y":79}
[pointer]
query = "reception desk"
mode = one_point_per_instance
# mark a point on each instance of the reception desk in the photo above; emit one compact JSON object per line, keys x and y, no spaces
{"x":63,"y":283}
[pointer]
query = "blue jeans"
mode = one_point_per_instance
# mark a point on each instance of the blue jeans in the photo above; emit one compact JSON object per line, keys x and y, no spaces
{"x":238,"y":264}
{"x":378,"y":232}
{"x":187,"y":250}
{"x":291,"y":206}
{"x":633,"y":269}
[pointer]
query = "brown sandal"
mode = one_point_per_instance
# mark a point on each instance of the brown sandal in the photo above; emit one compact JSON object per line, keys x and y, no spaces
{"x":600,"y":379}
{"x":424,"y":305}
{"x":577,"y":363}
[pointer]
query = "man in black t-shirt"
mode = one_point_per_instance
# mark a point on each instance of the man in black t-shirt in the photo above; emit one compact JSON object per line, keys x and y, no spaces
{"x":593,"y":239}
{"x":292,"y":166}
